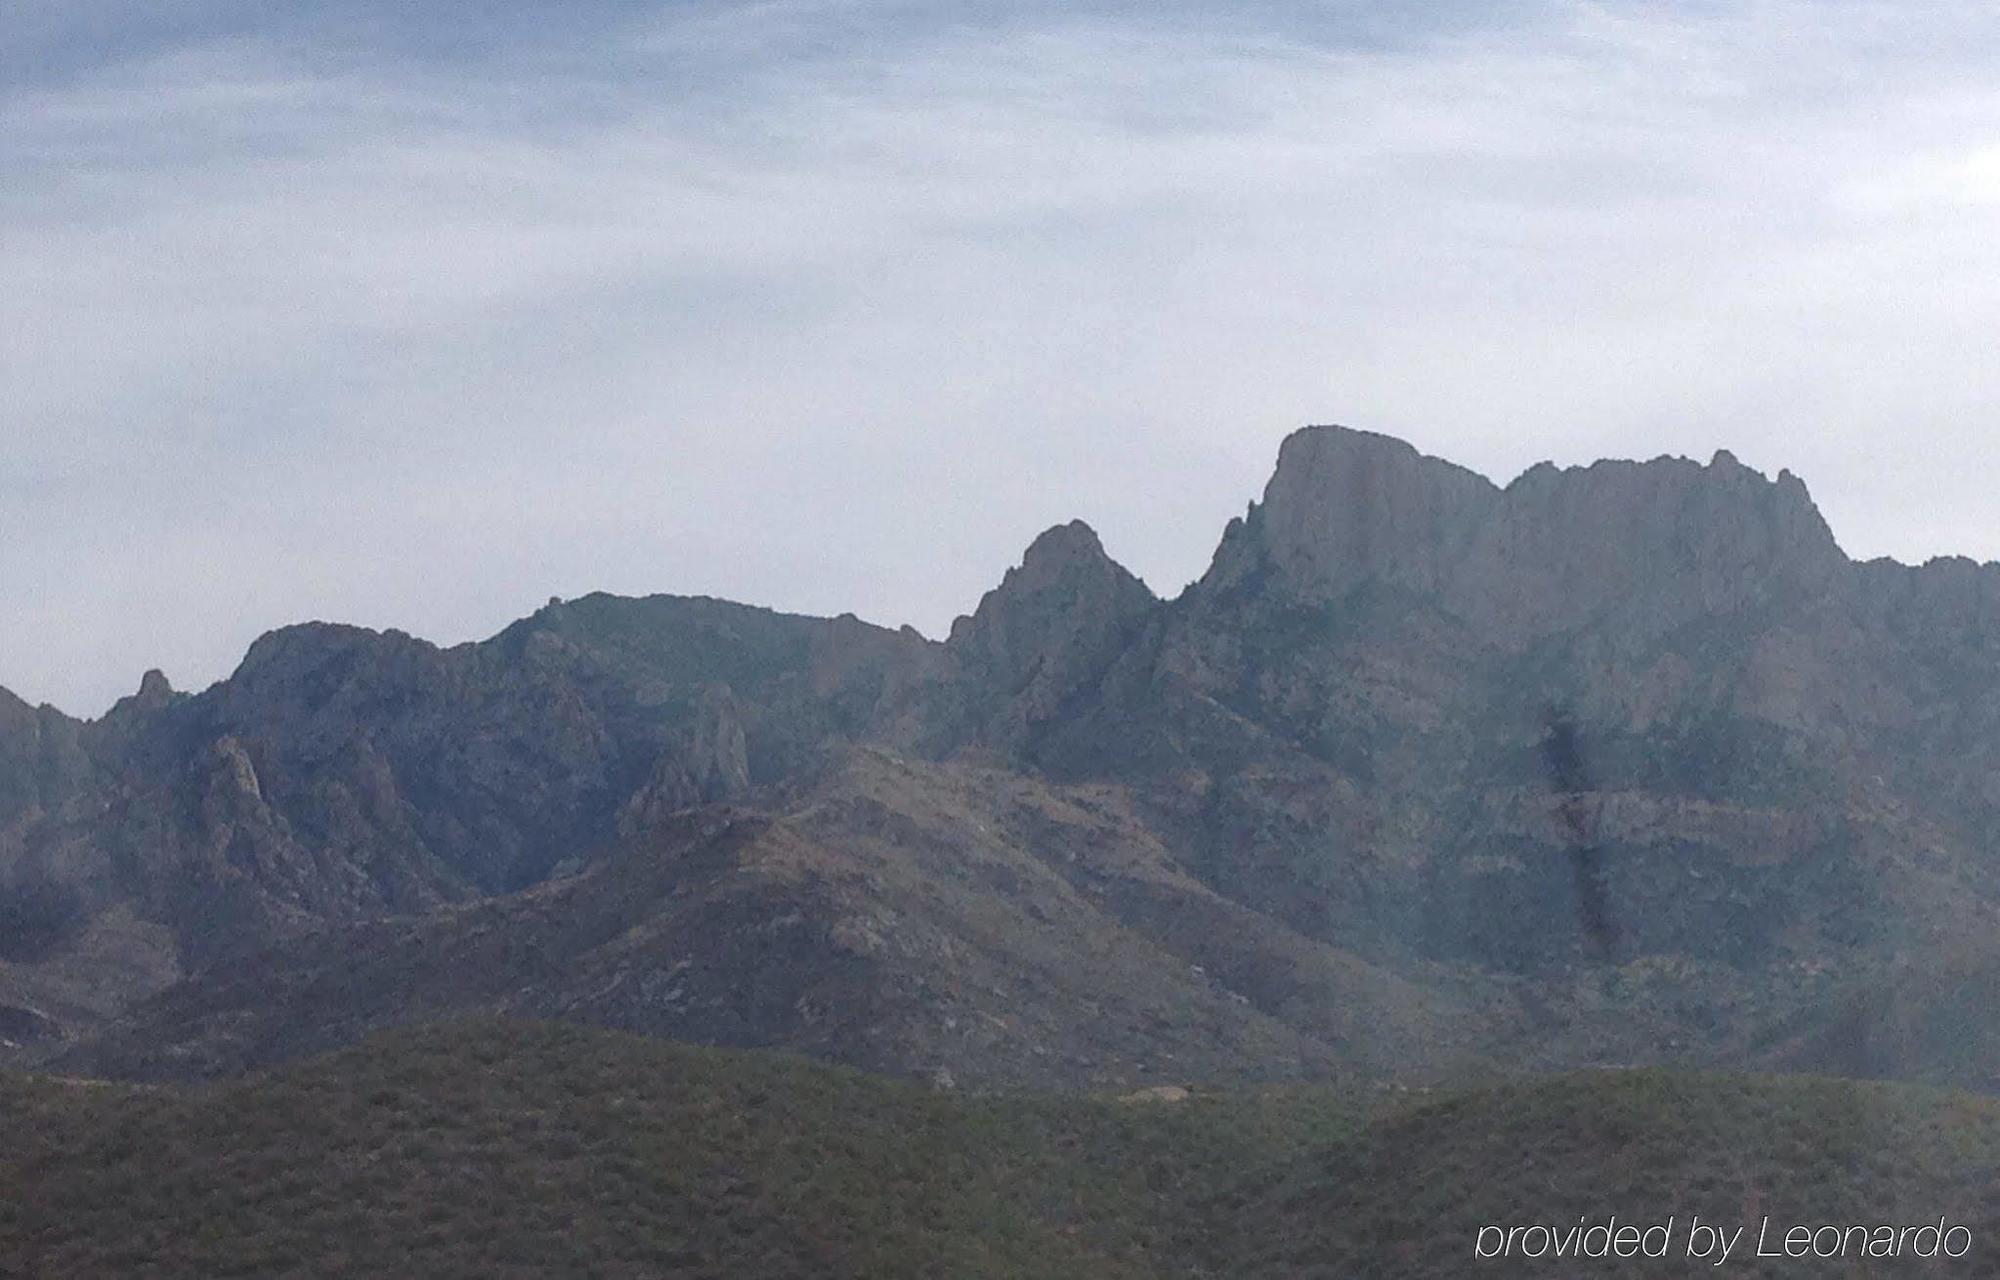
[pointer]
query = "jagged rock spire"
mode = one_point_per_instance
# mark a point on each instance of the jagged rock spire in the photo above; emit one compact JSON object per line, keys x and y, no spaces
{"x":1051,"y":626}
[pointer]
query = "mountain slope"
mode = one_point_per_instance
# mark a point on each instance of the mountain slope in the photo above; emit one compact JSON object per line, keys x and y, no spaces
{"x":952,"y":921}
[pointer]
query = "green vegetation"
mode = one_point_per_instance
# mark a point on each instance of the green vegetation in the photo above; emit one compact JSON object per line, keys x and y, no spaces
{"x":505,"y":1149}
{"x":1407,"y":1196}
{"x":508,"y":1149}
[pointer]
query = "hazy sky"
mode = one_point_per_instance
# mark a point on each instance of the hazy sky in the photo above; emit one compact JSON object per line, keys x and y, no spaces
{"x":415,"y":314}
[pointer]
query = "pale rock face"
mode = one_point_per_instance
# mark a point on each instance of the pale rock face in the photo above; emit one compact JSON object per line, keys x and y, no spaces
{"x":234,"y":789}
{"x":1652,"y":543}
{"x":1348,"y":506}
{"x":1049,"y":630}
{"x":707,"y":762}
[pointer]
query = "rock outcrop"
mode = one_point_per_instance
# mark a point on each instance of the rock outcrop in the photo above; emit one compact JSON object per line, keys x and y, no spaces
{"x":1045,"y":636}
{"x":1651,"y":545}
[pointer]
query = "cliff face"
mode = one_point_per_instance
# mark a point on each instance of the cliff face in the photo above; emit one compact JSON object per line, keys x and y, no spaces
{"x":1619,"y":762}
{"x":1645,"y":545}
{"x":1044,"y":637}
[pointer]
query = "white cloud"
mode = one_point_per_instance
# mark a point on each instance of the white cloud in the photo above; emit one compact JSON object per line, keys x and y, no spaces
{"x":842,"y":328}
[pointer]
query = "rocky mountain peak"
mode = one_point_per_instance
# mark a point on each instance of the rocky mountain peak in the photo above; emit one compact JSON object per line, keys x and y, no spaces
{"x":1065,"y":577}
{"x":156,"y":692}
{"x":131,"y":713}
{"x":1685,"y":538}
{"x":1346,"y":506}
{"x":306,"y":668}
{"x":1558,"y":544}
{"x":1053,"y":624}
{"x":1075,"y":542}
{"x":310,"y":643}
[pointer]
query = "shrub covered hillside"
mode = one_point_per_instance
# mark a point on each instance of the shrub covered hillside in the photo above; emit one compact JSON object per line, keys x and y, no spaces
{"x":511,"y":1149}
{"x":508,"y":1149}
{"x":1407,"y":1196}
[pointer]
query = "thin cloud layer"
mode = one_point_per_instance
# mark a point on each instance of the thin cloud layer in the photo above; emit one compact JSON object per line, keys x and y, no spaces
{"x":833,"y":307}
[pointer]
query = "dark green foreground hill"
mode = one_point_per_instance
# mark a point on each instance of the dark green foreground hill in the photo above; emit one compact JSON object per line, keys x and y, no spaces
{"x":509,"y":1149}
{"x":531,"y":1149}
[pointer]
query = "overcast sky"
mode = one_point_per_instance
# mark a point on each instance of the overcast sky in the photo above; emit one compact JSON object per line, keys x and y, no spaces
{"x":414,"y":315}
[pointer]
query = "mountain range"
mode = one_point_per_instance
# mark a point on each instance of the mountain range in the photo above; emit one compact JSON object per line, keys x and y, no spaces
{"x":1618,"y":764}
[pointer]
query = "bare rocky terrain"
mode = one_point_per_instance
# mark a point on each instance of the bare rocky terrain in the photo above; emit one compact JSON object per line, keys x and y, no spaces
{"x":1618,"y":764}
